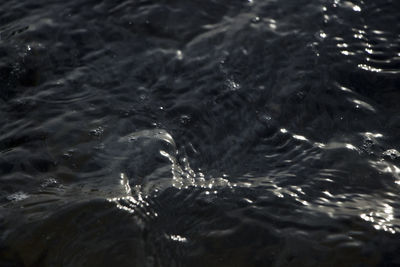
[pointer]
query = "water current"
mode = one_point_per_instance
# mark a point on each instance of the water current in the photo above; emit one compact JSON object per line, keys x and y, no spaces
{"x":200,"y":133}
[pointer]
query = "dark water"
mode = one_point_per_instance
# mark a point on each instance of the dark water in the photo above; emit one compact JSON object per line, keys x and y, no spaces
{"x":200,"y":133}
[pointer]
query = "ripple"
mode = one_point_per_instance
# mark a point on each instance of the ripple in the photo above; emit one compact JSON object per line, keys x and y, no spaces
{"x":370,"y":42}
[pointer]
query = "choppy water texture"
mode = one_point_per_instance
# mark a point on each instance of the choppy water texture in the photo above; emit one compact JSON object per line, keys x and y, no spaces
{"x":200,"y":133}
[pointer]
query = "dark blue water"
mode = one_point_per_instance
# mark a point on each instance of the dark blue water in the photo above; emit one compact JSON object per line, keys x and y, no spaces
{"x":200,"y":133}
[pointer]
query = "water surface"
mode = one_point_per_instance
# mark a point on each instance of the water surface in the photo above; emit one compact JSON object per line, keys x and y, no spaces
{"x":199,"y":133}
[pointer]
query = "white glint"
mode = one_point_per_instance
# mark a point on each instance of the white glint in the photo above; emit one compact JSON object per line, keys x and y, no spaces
{"x":178,"y":238}
{"x":305,"y":203}
{"x":327,"y":193}
{"x":320,"y":145}
{"x":347,"y":53}
{"x":179,"y":55}
{"x":377,"y":32}
{"x":345,"y":89}
{"x":392,"y":153}
{"x":382,"y":219}
{"x":248,"y":200}
{"x":370,"y":135}
{"x":358,"y":36}
{"x":299,"y":189}
{"x":363,"y":104}
{"x":351,"y":147}
{"x":300,"y":137}
{"x":233,"y":85}
{"x":369,"y":50}
{"x":338,"y":145}
{"x":368,"y":68}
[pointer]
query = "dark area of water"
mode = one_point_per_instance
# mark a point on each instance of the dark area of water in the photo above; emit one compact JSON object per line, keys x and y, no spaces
{"x":200,"y":133}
